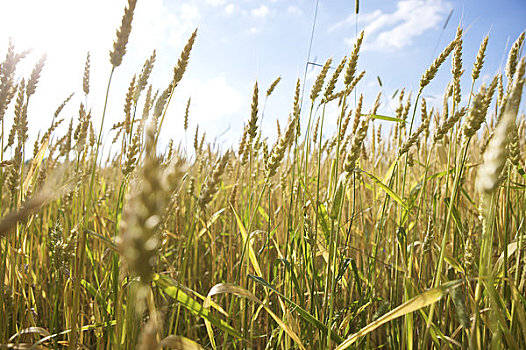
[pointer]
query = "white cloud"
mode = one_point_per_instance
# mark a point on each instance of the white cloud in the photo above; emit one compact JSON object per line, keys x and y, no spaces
{"x":261,"y":11}
{"x":155,"y":26}
{"x":214,"y":99}
{"x":38,"y":24}
{"x":229,"y":9}
{"x":294,"y":10}
{"x":67,"y":34}
{"x":254,"y":30}
{"x":350,"y":20}
{"x":396,"y":30}
{"x":215,"y":2}
{"x":214,"y":103}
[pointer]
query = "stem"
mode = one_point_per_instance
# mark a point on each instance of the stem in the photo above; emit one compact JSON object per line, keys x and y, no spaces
{"x":81,"y":245}
{"x":436,"y":280}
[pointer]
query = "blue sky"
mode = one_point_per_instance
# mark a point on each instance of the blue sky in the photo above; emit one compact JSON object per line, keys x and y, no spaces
{"x":244,"y":40}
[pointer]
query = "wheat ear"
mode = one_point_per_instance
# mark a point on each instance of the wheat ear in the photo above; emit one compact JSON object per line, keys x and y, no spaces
{"x":431,"y":72}
{"x":123,"y":33}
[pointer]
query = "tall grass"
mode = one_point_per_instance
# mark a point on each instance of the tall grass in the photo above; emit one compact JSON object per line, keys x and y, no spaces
{"x":350,"y":240}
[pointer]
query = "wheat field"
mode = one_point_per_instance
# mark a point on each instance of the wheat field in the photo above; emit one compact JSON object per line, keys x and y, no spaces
{"x":404,"y":231}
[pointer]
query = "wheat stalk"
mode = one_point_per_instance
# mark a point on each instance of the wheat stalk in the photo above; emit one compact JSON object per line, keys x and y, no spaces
{"x":320,"y":79}
{"x":85,"y":77}
{"x":144,"y":76}
{"x":489,"y":175}
{"x":353,"y":61}
{"x":278,"y":151}
{"x":431,"y":72}
{"x":272,"y":86}
{"x":513,"y":57}
{"x":123,"y":33}
{"x":479,"y":61}
{"x":182,"y":63}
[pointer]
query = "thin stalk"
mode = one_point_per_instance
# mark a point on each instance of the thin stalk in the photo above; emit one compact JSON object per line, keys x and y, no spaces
{"x":330,"y":282}
{"x":438,"y":271}
{"x":314,"y":298}
{"x":81,"y":246}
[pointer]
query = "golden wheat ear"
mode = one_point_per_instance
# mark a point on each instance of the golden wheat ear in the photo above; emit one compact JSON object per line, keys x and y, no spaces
{"x":123,"y":34}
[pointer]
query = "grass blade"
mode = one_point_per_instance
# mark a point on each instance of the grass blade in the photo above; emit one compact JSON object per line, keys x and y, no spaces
{"x":222,"y":288}
{"x":387,"y":190}
{"x":302,"y":312}
{"x":246,"y":242}
{"x":422,"y":300}
{"x":170,"y":287}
